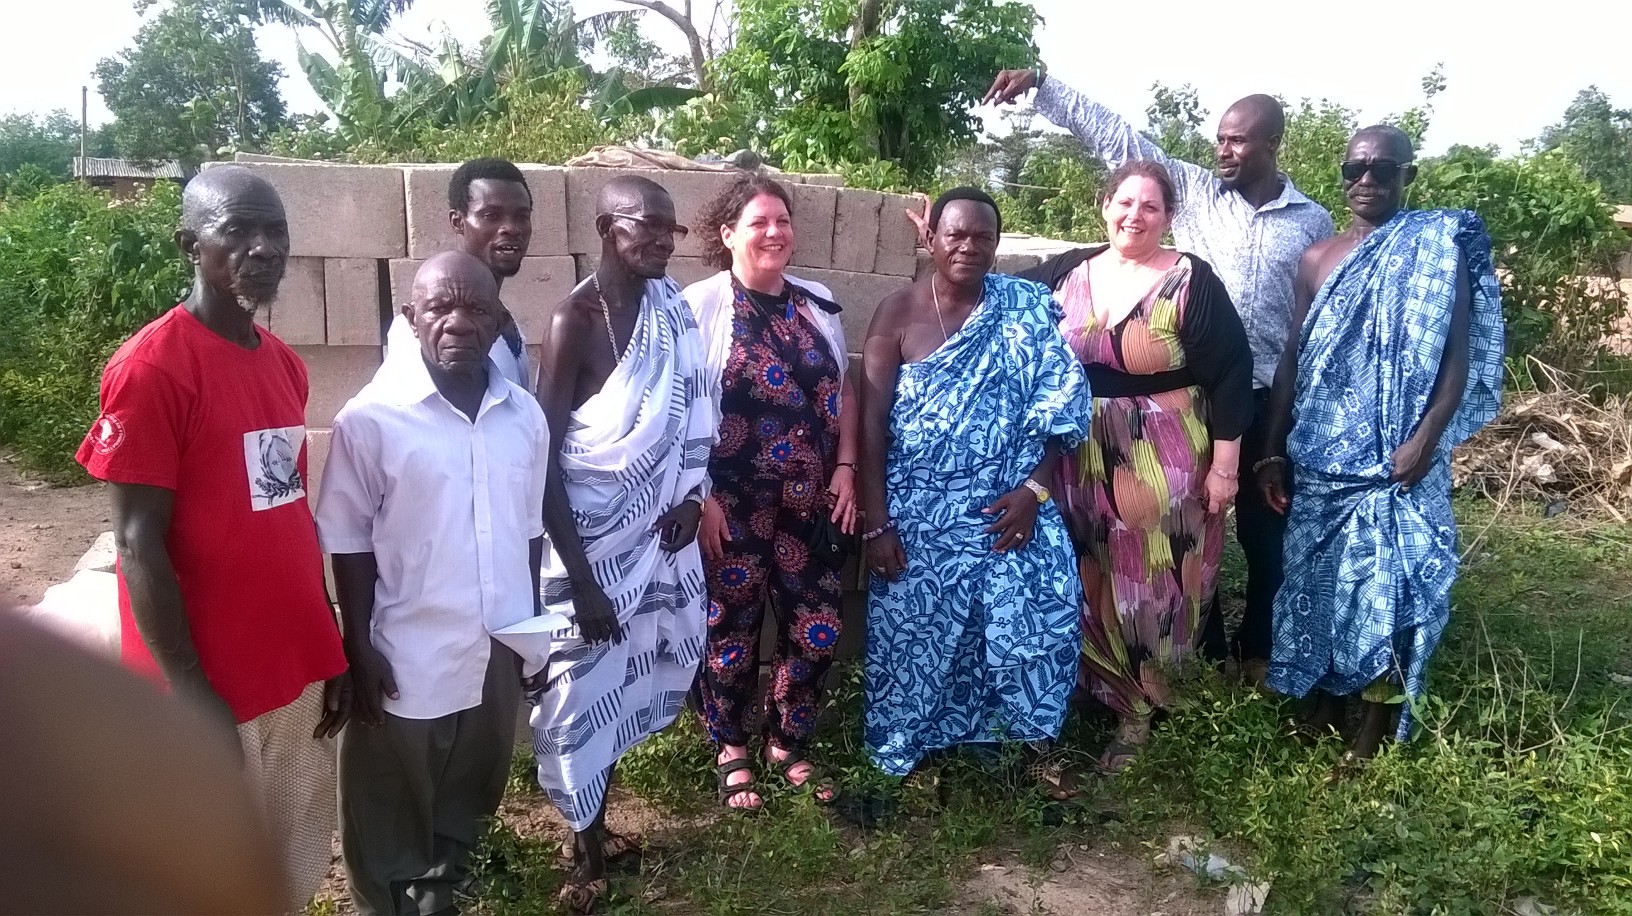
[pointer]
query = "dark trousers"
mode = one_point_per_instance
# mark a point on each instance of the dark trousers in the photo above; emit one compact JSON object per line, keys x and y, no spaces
{"x":414,"y":794}
{"x":1260,"y":530}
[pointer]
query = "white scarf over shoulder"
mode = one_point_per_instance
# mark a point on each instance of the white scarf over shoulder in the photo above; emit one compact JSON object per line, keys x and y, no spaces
{"x":712,"y":301}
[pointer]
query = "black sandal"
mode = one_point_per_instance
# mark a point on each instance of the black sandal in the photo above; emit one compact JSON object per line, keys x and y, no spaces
{"x":728,"y":792}
{"x":816,"y":781}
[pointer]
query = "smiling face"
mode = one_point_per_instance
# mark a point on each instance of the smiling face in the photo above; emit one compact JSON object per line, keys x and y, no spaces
{"x":761,"y":241}
{"x":498,"y":225}
{"x":1371,"y":198}
{"x":1136,"y":217}
{"x":455,"y":313}
{"x":964,"y":241}
{"x":1247,"y":147}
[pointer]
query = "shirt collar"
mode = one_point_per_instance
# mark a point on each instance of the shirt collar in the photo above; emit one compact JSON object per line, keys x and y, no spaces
{"x":1290,"y":195}
{"x":409,"y":381}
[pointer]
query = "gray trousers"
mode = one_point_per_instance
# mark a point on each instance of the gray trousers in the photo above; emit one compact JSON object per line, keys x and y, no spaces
{"x":414,"y":792}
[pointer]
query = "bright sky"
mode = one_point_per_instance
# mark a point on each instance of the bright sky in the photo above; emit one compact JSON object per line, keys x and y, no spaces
{"x":1509,"y":74}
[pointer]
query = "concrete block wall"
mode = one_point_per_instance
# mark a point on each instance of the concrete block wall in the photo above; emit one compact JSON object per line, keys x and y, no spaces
{"x":358,"y":233}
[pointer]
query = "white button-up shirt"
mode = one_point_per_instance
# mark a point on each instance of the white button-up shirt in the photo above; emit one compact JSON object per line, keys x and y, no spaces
{"x":447,"y":506}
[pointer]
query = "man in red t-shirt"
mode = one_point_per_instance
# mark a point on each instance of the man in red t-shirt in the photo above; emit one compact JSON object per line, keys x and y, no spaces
{"x":221,"y":594}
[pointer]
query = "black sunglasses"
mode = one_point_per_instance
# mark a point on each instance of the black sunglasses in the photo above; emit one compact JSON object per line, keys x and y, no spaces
{"x":1384,"y":170}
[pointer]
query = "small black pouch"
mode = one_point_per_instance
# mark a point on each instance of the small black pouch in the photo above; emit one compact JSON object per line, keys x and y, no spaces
{"x":828,"y":543}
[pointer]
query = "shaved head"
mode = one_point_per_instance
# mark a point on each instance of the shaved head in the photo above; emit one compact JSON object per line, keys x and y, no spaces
{"x":213,"y":188}
{"x":1263,"y":114}
{"x":1384,"y":140}
{"x":628,"y":194}
{"x":455,"y":268}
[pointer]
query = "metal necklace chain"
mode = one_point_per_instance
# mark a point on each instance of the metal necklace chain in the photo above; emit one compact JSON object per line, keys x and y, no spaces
{"x":935,"y":291}
{"x":606,"y":314}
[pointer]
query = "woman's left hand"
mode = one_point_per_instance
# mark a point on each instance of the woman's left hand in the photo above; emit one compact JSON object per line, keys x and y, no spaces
{"x":1016,"y":513}
{"x":1220,"y":491}
{"x":842,"y":487}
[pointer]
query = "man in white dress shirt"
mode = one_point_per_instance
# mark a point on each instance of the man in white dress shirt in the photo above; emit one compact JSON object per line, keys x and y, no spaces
{"x":430,"y":508}
{"x":491,"y":210}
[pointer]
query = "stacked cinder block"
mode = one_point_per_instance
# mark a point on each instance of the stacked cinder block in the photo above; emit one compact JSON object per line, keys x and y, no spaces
{"x":358,"y":234}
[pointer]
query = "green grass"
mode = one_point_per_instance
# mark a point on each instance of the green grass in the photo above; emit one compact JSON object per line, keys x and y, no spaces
{"x":1519,"y":784}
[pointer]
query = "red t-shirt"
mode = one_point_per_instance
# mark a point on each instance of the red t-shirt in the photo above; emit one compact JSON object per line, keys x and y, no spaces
{"x":224,"y":427}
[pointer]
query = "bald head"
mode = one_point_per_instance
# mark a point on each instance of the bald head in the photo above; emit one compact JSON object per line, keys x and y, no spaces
{"x":215,"y":188}
{"x":455,"y":268}
{"x":455,"y":313}
{"x":1261,"y":114}
{"x":1384,"y":141}
{"x":630,"y":194}
{"x":634,"y":217}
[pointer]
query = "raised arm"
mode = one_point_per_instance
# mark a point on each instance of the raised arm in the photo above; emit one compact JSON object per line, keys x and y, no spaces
{"x":561,"y":361}
{"x":880,"y":363}
{"x":1107,"y":134}
{"x":141,"y":521}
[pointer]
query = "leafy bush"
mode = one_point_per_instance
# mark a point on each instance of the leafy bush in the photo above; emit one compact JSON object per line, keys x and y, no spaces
{"x":79,"y":273}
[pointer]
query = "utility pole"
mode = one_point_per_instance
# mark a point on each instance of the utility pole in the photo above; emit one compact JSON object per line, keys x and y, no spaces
{"x":84,"y":120}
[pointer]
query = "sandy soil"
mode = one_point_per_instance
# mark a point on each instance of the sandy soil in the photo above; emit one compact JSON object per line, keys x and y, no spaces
{"x":43,"y":532}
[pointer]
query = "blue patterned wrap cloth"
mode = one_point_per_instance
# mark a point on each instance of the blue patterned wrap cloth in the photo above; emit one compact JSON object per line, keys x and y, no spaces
{"x":1369,"y":567}
{"x":971,"y":645}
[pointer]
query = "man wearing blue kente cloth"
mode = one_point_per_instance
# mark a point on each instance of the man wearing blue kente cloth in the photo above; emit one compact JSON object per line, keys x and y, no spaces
{"x":1398,"y":358}
{"x":969,"y":395}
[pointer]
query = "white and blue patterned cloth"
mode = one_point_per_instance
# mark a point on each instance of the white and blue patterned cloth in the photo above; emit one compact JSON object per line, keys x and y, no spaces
{"x":971,"y":645}
{"x":1369,"y":566}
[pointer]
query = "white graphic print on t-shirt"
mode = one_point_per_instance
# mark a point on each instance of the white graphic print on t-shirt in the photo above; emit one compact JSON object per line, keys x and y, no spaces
{"x":271,"y":458}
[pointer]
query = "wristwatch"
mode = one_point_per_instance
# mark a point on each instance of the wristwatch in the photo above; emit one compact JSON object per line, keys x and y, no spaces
{"x":1037,"y":488}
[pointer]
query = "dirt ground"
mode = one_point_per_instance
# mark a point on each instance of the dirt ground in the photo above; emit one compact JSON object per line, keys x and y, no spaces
{"x":44,"y":530}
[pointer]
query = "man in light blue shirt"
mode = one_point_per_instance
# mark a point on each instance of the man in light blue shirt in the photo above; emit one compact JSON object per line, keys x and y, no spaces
{"x":1247,"y":220}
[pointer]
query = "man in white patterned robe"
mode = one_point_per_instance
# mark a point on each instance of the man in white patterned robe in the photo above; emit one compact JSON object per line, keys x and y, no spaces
{"x":623,"y":390}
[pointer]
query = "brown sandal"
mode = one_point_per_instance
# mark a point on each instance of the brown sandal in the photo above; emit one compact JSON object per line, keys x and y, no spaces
{"x":1054,"y":778}
{"x":581,"y":896}
{"x":616,"y":846}
{"x":821,"y":786}
{"x":728,"y":792}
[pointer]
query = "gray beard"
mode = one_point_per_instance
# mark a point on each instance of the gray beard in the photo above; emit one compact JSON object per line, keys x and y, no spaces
{"x":251,"y":306}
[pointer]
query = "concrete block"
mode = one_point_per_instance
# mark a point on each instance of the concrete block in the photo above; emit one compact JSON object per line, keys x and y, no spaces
{"x":426,"y":190}
{"x":814,"y":210}
{"x":402,"y":272}
{"x":820,"y":178}
{"x":297,"y":316}
{"x":858,"y":294}
{"x":352,"y":293}
{"x":538,"y":286}
{"x":685,"y":271}
{"x":897,"y":237}
{"x":340,"y":211}
{"x":1014,"y":262}
{"x":855,"y":230}
{"x":689,"y":189}
{"x":317,"y":457}
{"x":335,"y":374}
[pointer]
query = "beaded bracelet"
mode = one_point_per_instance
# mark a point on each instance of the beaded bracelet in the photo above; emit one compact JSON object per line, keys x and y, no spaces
{"x":1266,"y":462}
{"x":879,"y":531}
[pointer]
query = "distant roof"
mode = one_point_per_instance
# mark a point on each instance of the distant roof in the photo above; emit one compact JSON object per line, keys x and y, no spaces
{"x":128,"y":168}
{"x":1623,"y":215}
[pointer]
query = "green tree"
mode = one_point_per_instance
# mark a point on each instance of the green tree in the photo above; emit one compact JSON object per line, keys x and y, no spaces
{"x":1597,"y":137}
{"x":48,"y":142}
{"x":1175,"y":118}
{"x":840,"y":82}
{"x":192,"y":85}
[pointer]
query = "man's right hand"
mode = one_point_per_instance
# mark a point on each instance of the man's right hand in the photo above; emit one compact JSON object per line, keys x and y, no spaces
{"x":886,"y":557}
{"x":1009,"y":85}
{"x":370,"y":680}
{"x":594,"y":613}
{"x":1272,"y":485}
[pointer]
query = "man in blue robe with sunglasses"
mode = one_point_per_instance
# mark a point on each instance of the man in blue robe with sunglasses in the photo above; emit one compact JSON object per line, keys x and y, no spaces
{"x":1395,"y":358}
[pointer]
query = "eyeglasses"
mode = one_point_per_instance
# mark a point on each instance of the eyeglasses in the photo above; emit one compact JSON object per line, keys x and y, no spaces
{"x":656,"y":227}
{"x":1384,"y":170}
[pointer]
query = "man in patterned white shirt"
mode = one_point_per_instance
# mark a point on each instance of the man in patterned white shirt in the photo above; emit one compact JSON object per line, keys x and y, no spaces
{"x":1248,"y":221}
